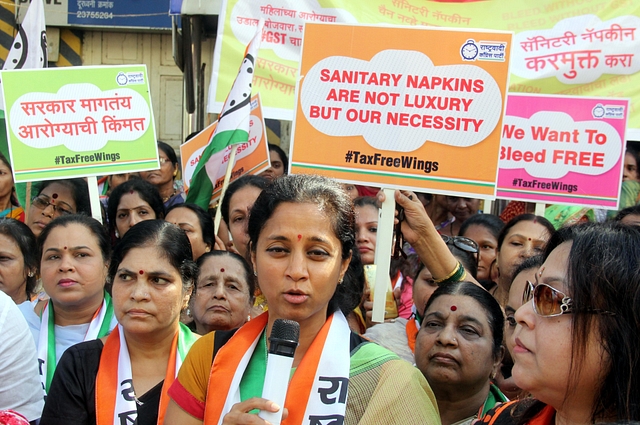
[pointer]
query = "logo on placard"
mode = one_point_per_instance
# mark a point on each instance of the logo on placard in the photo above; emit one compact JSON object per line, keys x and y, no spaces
{"x":128,"y":78}
{"x":608,"y":111}
{"x":598,"y":111}
{"x":121,"y":79}
{"x":469,"y":50}
{"x":492,"y":51}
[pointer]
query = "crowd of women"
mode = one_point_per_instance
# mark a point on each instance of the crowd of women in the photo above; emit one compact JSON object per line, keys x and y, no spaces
{"x":152,"y":318}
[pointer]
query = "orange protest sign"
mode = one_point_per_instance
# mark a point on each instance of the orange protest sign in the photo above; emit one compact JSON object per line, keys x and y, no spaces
{"x":251,"y":157}
{"x":414,"y":108}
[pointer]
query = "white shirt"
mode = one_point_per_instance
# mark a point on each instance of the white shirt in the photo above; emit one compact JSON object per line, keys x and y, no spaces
{"x":20,"y":387}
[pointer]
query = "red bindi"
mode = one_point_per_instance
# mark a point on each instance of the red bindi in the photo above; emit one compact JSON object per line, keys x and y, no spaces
{"x":54,"y":196}
{"x":131,"y":192}
{"x":299,"y":237}
{"x":454,"y":308}
{"x":65,"y":247}
{"x":141,"y":272}
{"x":529,"y":238}
{"x":221,"y":270}
{"x":53,"y":201}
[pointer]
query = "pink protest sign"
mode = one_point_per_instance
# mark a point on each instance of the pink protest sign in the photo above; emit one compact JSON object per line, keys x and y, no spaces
{"x":563,"y":150}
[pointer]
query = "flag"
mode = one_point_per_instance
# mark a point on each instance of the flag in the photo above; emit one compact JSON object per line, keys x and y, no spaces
{"x":29,"y":49}
{"x":233,"y":126}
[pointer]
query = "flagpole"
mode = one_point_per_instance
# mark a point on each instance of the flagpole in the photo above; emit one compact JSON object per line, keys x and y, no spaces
{"x":225,"y":184}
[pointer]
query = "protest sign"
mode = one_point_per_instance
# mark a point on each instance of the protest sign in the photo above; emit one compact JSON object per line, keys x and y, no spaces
{"x":418,"y":108}
{"x":251,"y":157}
{"x":563,"y":150}
{"x":567,"y":47}
{"x":79,"y":121}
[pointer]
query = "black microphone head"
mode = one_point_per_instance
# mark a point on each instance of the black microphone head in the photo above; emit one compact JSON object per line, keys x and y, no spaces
{"x":284,"y":337}
{"x":284,"y":329}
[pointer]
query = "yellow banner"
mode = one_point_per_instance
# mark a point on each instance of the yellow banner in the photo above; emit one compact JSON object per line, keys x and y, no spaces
{"x":572,"y":47}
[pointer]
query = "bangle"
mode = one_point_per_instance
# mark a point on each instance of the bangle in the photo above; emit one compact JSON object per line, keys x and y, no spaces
{"x":458,"y":274}
{"x":456,"y":269}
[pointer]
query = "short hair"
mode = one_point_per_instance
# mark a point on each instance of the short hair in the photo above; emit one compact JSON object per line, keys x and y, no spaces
{"x":491,"y":308}
{"x":633,"y":210}
{"x":168,"y":239}
{"x":93,"y":225}
{"x":524,"y":217}
{"x":283,"y":156}
{"x":145,"y":190}
{"x":206,"y":223}
{"x":490,"y":222}
{"x":258,"y":182}
{"x":26,"y":242}
{"x":603,"y":274}
{"x":328,"y":195}
{"x":79,"y":193}
{"x":248,"y":272}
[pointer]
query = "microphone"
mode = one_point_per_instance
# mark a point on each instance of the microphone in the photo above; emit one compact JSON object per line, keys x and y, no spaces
{"x":283,"y":343}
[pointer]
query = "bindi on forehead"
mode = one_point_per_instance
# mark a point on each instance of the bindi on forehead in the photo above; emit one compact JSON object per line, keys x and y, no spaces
{"x":54,"y":196}
{"x":454,"y":308}
{"x":299,"y":238}
{"x":141,"y":272}
{"x":221,"y":270}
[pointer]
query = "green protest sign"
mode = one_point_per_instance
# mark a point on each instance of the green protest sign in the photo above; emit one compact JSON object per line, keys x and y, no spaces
{"x":79,"y":121}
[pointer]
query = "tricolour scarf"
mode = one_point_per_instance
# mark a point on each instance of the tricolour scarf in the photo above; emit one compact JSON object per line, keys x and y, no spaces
{"x":115,"y":395}
{"x":100,"y":326}
{"x":318,"y":389}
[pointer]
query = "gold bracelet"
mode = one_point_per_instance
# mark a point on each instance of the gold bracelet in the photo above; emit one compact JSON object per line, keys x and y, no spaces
{"x":455,"y":270}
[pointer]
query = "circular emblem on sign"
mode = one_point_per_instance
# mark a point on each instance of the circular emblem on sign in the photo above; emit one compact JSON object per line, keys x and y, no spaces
{"x":469,"y":50}
{"x":121,"y":79}
{"x":598,"y":111}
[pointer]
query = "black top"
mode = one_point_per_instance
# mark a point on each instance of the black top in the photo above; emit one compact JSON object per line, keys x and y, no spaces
{"x":71,"y":397}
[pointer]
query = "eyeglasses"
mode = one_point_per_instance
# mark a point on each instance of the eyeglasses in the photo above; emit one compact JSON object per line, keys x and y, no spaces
{"x":43,"y":201}
{"x":164,"y":161}
{"x":463,"y":243}
{"x":549,"y":302}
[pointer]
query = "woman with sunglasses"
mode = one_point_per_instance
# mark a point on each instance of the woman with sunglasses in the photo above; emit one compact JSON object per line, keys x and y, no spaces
{"x":56,"y":198}
{"x":576,"y":336}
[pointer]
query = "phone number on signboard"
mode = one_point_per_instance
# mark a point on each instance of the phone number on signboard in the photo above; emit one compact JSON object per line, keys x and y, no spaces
{"x":94,"y":15}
